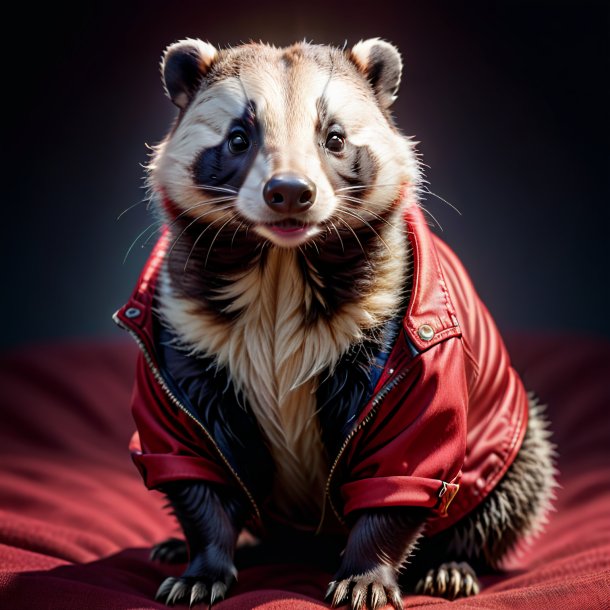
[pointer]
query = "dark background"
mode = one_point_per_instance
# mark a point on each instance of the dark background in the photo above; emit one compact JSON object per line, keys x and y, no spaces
{"x":509,"y":100}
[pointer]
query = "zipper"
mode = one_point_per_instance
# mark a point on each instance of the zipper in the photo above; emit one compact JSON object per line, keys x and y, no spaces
{"x":159,"y":378}
{"x":387,"y":388}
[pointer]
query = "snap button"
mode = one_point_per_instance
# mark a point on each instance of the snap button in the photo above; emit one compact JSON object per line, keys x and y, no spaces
{"x":132,"y":312}
{"x":425,"y":332}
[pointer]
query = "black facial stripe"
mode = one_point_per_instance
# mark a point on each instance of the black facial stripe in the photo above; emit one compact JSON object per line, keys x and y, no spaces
{"x":356,"y":167}
{"x":337,"y":267}
{"x":214,"y":254}
{"x":217,"y":166}
{"x":346,"y":273}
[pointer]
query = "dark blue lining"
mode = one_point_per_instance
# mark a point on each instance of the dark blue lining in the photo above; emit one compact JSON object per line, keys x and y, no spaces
{"x":207,"y":393}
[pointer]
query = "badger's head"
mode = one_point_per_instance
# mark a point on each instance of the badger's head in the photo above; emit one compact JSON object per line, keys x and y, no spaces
{"x":290,"y":145}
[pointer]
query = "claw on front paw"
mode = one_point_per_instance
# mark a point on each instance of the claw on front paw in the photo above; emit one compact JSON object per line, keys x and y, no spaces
{"x":191,"y":590}
{"x":449,"y":580}
{"x":369,"y":591}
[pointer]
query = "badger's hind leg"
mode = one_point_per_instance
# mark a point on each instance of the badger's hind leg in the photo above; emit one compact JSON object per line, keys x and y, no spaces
{"x":446,"y":565}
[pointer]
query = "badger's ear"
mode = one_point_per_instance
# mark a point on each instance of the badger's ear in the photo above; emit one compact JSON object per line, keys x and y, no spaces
{"x":183,"y":66}
{"x":381,"y":64}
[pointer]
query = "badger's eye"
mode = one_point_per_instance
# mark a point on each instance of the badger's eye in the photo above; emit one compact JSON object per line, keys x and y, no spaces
{"x":238,"y":142}
{"x":335,"y":142}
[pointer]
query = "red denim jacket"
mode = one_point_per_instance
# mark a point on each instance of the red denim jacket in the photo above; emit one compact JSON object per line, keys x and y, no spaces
{"x":445,"y":421}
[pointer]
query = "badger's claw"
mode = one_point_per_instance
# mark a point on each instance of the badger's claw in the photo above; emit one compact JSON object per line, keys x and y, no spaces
{"x":172,"y":550}
{"x":194,"y":590}
{"x":449,"y":580}
{"x":369,"y":591}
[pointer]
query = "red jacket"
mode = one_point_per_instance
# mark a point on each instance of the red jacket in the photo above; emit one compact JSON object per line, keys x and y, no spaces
{"x":448,"y":413}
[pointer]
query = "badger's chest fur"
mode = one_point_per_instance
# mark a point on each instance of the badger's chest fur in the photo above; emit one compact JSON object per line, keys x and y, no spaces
{"x":284,"y":336}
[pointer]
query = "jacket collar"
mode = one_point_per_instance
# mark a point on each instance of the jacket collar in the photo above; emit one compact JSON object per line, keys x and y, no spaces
{"x":430,"y":316}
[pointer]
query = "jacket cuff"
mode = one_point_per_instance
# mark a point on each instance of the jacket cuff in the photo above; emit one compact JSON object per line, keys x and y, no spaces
{"x":381,"y":492}
{"x":157,"y":469}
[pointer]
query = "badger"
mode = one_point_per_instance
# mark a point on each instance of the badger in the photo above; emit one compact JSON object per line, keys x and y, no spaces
{"x":315,"y":363}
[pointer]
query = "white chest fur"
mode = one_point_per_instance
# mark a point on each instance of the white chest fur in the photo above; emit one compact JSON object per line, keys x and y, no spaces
{"x":274,"y":358}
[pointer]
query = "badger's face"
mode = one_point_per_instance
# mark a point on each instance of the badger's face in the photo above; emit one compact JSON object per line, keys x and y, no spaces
{"x":290,"y":144}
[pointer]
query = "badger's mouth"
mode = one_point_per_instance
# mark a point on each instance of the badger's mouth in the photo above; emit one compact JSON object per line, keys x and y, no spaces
{"x":288,"y":225}
{"x":288,"y":232}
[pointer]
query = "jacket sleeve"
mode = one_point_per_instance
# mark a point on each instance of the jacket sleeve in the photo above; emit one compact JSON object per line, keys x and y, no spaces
{"x":412,"y":450}
{"x":168,"y":445}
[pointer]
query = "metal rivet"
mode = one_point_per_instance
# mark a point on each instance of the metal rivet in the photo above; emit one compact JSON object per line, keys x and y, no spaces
{"x":390,"y":371}
{"x":132,"y":312}
{"x":425,"y":332}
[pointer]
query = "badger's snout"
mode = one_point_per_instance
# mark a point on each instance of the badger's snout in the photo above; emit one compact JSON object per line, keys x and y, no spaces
{"x":289,"y":193}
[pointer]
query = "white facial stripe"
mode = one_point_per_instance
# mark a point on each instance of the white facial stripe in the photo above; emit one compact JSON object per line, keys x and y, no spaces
{"x":265,"y":88}
{"x":250,"y":201}
{"x":212,"y":112}
{"x":288,"y":118}
{"x":362,"y":120}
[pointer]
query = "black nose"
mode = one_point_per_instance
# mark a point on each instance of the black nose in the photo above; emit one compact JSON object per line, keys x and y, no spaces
{"x":289,"y":193}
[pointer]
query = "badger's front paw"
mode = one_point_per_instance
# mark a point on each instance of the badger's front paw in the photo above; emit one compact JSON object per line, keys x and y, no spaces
{"x":197,"y":585}
{"x":449,"y":580}
{"x":370,"y":590}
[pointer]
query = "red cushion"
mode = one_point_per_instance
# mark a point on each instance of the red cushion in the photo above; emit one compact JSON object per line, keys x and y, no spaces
{"x":76,"y":522}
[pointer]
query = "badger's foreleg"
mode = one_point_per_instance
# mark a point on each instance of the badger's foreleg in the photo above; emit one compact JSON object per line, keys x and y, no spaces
{"x":211,"y":521}
{"x":379,"y":544}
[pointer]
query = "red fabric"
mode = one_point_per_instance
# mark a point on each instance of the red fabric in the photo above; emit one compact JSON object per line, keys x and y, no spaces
{"x":76,"y":522}
{"x":462,"y":408}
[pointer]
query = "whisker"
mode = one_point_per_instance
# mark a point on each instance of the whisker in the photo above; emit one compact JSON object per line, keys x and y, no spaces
{"x":234,"y":234}
{"x":144,"y":199}
{"x":354,"y":215}
{"x":427,"y":190}
{"x":216,"y":189}
{"x":357,"y":238}
{"x":151,"y":234}
{"x":362,"y":187}
{"x":198,"y":218}
{"x":133,"y":243}
{"x":360,"y":201}
{"x":315,"y":245}
{"x":424,"y":209}
{"x":205,"y":264}
{"x":202,"y":187}
{"x":197,"y":205}
{"x":338,"y":234}
{"x":188,"y":258}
